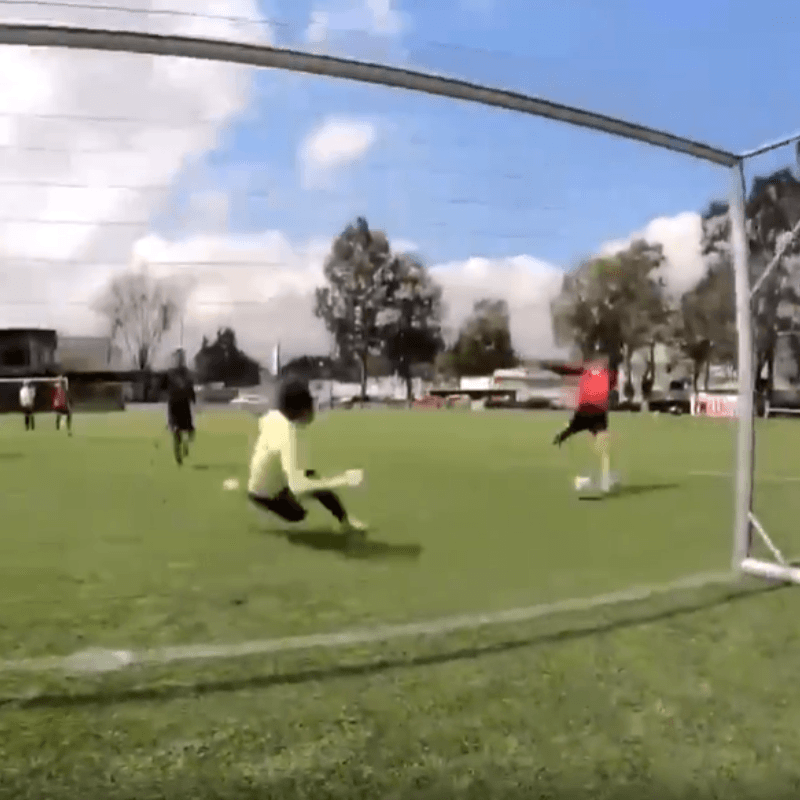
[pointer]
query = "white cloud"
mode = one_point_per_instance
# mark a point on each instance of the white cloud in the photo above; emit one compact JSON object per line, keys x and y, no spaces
{"x":355,"y":26}
{"x":337,"y":142}
{"x":68,"y":176}
{"x":527,"y":284}
{"x":263,"y":286}
{"x":90,"y":143}
{"x":681,"y":238}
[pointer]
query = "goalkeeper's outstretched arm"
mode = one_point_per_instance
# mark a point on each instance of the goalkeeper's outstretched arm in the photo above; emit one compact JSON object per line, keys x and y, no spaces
{"x":300,"y":483}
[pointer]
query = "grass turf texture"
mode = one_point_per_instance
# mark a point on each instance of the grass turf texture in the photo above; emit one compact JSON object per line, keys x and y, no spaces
{"x":108,"y":543}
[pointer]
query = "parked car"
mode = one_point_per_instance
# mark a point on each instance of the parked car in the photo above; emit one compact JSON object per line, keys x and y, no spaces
{"x":250,"y":402}
{"x":677,"y":399}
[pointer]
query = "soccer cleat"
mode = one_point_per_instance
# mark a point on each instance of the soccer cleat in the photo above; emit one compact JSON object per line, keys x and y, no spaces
{"x":352,"y":525}
{"x":354,"y":531}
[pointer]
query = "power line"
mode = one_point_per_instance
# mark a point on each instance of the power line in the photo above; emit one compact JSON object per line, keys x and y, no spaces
{"x":410,"y":43}
{"x":146,"y":11}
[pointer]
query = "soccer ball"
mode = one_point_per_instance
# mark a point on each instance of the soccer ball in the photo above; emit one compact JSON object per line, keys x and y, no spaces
{"x":582,"y":484}
{"x":230,"y":484}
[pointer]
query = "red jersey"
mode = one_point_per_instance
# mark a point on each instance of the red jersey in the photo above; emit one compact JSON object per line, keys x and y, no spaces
{"x":595,"y":385}
{"x":59,"y":398}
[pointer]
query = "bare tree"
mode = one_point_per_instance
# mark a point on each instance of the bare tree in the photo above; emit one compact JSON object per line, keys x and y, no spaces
{"x":141,"y":309}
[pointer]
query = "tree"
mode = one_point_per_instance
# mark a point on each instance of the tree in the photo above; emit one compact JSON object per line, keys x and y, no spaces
{"x":412,"y":317}
{"x":772,"y":212}
{"x":140,"y":310}
{"x":221,"y":361}
{"x":706,"y":325}
{"x":484,"y":341}
{"x":355,"y":293}
{"x":613,"y":305}
{"x":379,"y":304}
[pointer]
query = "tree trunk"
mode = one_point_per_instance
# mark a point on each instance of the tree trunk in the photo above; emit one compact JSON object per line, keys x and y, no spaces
{"x":409,"y":385}
{"x":362,"y":363}
{"x":707,"y":375}
{"x":628,"y":389}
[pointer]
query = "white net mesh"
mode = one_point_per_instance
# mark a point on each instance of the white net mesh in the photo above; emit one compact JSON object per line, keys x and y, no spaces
{"x":179,"y":179}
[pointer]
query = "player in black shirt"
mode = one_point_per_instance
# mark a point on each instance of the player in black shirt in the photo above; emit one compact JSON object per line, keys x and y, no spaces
{"x":180,"y":396}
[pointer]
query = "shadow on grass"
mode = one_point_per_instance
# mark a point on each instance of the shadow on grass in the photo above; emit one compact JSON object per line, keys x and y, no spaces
{"x":11,"y":456}
{"x":339,"y":543}
{"x":217,"y":467}
{"x":175,"y":691}
{"x":632,"y":491}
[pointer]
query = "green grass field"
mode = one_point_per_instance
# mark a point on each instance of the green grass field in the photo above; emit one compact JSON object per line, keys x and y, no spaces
{"x":108,"y":543}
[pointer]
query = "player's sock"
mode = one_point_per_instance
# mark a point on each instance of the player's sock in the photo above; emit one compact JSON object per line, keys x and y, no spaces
{"x":176,"y":448}
{"x":605,"y":477}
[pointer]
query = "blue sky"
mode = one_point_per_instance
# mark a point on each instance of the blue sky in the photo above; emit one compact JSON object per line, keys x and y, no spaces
{"x":497,"y":203}
{"x":462,"y":180}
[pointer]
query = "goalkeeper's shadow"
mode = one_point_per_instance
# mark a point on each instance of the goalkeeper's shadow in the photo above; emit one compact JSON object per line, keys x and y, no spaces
{"x":348,"y":547}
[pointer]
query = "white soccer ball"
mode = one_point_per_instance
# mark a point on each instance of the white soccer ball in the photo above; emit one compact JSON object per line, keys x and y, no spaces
{"x":582,"y":484}
{"x":230,"y":484}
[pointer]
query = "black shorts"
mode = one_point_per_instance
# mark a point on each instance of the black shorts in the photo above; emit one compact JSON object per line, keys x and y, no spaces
{"x":284,"y":505}
{"x":179,"y":416}
{"x":589,"y":418}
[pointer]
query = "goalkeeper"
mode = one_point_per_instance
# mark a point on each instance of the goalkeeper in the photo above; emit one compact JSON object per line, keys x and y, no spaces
{"x":278,"y":481}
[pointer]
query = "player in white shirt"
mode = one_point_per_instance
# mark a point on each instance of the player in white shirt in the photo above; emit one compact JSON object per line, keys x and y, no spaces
{"x":278,"y":480}
{"x":27,"y":397}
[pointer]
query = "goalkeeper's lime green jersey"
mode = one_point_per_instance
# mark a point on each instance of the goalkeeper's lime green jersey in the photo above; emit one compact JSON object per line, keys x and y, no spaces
{"x":274,"y":464}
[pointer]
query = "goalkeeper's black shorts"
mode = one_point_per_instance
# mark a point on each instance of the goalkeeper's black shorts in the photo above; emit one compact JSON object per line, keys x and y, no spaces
{"x":284,"y":504}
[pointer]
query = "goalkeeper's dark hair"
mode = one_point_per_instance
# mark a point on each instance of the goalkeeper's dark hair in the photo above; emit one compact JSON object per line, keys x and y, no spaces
{"x":294,"y":399}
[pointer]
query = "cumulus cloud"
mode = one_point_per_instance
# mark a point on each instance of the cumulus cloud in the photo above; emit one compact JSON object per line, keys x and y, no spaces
{"x":681,"y":238}
{"x":359,"y":28}
{"x":263,"y":286}
{"x":90,"y":144}
{"x":335,"y":143}
{"x":527,"y":284}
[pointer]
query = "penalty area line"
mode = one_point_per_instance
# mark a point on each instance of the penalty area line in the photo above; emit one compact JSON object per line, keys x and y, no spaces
{"x":99,"y":660}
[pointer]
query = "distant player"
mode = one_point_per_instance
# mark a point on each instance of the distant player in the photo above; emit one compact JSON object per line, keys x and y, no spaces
{"x":596,"y":383}
{"x":180,"y":397}
{"x":62,"y":405}
{"x":279,"y":481}
{"x":27,"y":399}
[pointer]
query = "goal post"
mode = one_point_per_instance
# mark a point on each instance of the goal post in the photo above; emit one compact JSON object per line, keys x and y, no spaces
{"x":746,"y":524}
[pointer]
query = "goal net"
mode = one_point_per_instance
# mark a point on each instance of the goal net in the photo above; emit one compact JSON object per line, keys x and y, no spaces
{"x":766,"y":244}
{"x":48,"y":393}
{"x":454,"y":248}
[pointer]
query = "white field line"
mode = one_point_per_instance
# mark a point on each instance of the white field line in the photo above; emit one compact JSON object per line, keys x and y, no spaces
{"x":758,"y":478}
{"x":98,"y":660}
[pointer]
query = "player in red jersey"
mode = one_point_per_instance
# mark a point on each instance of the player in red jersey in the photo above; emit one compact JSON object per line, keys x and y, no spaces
{"x":596,"y":383}
{"x":61,"y":405}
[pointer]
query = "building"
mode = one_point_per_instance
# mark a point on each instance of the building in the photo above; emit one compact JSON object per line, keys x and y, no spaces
{"x":88,"y":354}
{"x":28,"y":351}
